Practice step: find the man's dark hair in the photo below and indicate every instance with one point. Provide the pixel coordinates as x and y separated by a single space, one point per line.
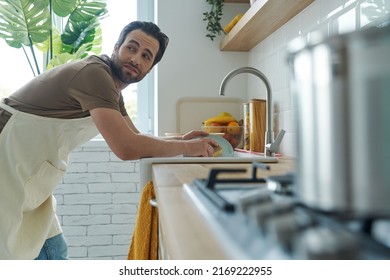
152 30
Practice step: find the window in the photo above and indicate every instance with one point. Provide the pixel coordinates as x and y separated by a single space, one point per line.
138 97
120 13
15 71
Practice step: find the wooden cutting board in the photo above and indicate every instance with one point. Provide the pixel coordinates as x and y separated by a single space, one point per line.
192 111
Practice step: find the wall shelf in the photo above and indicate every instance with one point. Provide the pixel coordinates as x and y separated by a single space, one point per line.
236 1
262 19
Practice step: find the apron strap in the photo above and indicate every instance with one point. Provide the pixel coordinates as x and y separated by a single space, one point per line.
7 108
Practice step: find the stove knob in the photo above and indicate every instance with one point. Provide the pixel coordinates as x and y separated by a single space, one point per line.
320 243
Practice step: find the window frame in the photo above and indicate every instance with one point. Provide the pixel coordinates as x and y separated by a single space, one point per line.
146 88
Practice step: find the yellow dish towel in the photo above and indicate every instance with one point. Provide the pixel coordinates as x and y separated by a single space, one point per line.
144 242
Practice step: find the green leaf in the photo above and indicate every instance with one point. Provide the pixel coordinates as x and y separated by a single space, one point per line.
56 43
92 45
213 18
63 58
97 43
63 8
87 10
79 33
60 59
26 22
22 20
82 23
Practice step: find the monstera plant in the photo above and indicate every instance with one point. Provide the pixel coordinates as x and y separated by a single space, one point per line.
64 30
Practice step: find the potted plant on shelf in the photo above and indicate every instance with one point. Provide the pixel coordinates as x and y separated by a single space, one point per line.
34 24
213 18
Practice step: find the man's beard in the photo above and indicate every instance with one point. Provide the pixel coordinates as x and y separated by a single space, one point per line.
120 73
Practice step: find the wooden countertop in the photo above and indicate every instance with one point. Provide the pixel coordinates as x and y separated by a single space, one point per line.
185 230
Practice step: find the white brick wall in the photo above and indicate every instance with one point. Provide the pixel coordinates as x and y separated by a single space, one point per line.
97 203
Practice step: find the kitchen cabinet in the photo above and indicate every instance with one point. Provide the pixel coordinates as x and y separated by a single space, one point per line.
185 233
262 19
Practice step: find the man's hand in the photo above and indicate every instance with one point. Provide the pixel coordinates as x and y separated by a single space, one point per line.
194 134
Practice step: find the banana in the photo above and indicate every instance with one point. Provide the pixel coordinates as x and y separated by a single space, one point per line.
223 118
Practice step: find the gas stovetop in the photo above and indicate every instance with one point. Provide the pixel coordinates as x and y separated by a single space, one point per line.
263 219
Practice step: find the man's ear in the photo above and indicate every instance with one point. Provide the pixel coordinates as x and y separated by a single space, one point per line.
115 48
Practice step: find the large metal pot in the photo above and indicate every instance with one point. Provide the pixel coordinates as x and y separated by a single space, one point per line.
341 89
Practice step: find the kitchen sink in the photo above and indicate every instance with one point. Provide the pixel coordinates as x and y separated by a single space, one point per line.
249 155
239 157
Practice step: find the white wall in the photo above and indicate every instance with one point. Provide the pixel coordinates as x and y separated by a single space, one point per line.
329 16
193 66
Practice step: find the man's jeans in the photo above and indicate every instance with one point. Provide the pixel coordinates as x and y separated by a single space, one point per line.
54 248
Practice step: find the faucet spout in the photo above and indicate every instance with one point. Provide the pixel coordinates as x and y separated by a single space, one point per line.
269 135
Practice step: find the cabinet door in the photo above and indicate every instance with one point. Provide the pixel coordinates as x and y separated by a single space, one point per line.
162 248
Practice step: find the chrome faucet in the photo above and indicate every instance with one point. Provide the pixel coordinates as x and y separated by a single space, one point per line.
271 145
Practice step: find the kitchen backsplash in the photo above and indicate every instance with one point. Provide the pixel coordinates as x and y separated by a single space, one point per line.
270 56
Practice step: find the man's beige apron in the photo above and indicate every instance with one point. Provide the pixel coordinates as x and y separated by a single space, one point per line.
33 159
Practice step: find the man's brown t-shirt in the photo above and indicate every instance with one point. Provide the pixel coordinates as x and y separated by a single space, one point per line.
68 91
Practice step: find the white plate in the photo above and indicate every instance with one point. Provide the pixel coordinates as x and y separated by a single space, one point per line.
227 149
173 134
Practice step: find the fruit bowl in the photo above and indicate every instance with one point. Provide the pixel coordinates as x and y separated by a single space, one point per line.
233 134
